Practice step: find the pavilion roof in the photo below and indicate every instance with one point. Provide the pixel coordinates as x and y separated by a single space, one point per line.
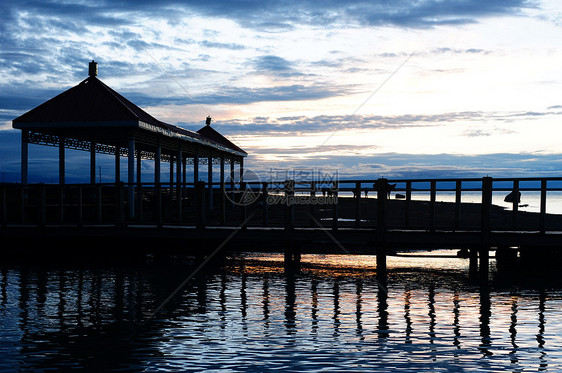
93 104
212 134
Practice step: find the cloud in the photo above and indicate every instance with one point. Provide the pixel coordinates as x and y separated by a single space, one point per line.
213 44
274 65
296 125
242 95
416 166
265 15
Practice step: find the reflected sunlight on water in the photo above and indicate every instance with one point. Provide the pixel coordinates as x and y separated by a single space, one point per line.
252 316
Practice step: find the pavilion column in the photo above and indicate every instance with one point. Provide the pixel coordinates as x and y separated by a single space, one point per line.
157 170
184 175
139 168
241 169
232 179
196 167
157 185
117 164
210 180
61 161
139 186
222 198
92 162
131 178
171 173
195 176
178 172
24 156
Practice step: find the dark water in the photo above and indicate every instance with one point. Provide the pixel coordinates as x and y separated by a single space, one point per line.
252 316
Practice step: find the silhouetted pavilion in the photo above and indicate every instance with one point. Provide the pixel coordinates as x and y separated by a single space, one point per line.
93 117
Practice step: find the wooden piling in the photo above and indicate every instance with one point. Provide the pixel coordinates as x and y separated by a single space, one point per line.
382 187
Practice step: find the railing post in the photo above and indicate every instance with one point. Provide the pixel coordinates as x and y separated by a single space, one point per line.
335 210
515 203
458 191
543 206
222 202
289 187
313 202
357 204
408 200
486 204
243 203
265 195
487 187
433 196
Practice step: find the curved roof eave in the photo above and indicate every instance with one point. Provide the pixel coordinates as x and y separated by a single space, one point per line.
195 138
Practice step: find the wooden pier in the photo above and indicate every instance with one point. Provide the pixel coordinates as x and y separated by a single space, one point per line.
346 216
231 211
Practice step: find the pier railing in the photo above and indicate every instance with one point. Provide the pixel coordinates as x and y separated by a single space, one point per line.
410 204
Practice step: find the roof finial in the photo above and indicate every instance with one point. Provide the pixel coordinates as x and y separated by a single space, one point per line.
208 121
93 69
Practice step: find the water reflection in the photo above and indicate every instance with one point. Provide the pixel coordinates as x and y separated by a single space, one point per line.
358 308
96 318
485 314
407 318
382 310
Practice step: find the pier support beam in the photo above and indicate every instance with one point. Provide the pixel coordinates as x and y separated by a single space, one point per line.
484 263
292 259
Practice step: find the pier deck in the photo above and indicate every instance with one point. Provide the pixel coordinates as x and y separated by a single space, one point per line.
91 220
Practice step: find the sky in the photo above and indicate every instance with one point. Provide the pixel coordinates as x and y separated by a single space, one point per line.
364 88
